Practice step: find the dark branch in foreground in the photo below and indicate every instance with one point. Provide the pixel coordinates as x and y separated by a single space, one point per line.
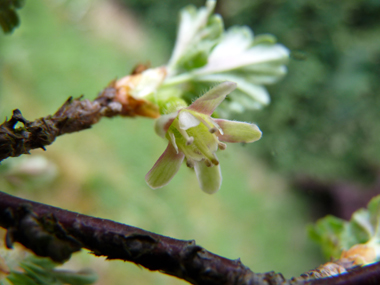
57 233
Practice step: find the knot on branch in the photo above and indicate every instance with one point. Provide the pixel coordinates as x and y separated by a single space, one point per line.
73 116
43 235
132 247
17 141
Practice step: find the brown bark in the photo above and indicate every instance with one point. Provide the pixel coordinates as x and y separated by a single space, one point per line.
73 116
57 233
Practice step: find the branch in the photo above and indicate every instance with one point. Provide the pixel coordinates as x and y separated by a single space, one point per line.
57 233
73 116
366 275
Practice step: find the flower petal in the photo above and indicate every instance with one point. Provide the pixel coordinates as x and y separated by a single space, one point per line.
192 22
187 120
207 103
256 92
165 168
238 131
228 55
163 123
209 178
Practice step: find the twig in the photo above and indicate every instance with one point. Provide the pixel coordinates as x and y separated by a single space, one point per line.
73 116
366 275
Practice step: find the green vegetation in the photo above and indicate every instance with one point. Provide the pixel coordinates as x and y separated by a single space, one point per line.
37 270
360 235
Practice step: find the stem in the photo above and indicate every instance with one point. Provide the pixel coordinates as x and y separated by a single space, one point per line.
182 78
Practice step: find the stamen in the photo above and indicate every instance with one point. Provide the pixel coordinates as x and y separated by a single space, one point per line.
217 127
190 163
208 163
215 161
213 130
222 146
207 150
190 140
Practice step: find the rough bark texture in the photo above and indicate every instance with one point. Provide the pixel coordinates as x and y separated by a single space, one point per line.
73 116
57 233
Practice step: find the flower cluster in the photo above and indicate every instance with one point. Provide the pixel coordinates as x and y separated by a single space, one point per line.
204 54
193 134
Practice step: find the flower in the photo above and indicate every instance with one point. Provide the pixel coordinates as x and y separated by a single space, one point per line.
193 134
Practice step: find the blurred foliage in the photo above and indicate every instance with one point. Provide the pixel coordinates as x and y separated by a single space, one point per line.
41 271
323 121
9 18
19 266
36 270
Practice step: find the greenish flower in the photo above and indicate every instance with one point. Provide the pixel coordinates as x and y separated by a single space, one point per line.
193 134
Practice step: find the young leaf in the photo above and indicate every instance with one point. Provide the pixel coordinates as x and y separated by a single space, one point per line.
357 239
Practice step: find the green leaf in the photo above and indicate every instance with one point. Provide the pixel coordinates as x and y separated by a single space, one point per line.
327 233
9 19
335 235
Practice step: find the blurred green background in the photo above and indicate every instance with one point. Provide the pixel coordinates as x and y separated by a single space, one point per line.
322 124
